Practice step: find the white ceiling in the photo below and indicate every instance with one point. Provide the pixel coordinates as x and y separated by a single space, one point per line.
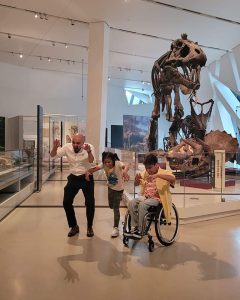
141 31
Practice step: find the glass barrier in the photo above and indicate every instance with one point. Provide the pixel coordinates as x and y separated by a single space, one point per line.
16 173
215 181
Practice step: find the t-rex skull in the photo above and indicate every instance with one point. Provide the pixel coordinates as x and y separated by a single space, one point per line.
187 53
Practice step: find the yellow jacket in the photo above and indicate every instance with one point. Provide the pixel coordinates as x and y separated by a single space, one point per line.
163 191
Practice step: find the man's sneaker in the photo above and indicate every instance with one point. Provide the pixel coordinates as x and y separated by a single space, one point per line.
90 232
74 230
115 232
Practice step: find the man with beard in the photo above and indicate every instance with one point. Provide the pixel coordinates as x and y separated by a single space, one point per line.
80 156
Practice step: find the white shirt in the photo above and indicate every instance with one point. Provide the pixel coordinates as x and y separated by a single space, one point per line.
78 162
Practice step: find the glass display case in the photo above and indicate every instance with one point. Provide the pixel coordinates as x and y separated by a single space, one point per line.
16 174
63 127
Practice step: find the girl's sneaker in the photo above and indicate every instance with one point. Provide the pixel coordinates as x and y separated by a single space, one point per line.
115 232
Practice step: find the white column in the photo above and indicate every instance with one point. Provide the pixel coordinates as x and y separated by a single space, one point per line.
97 85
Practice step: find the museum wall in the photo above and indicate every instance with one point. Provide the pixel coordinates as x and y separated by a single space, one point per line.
118 106
22 89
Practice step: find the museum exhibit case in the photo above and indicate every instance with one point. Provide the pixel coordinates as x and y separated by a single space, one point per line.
16 178
30 137
61 127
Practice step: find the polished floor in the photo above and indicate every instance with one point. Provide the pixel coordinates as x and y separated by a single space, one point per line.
39 262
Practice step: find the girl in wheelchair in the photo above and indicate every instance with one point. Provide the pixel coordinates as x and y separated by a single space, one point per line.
154 183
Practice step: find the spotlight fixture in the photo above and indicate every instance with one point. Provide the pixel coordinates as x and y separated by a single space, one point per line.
53 44
72 22
49 59
109 78
21 55
9 36
40 57
36 15
66 46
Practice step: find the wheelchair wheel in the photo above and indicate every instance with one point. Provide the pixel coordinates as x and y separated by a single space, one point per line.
150 244
125 240
126 227
127 222
166 232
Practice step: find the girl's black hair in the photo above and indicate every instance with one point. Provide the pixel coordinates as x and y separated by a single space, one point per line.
110 155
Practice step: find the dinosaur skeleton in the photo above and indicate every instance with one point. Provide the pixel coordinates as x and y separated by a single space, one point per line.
194 156
193 126
178 69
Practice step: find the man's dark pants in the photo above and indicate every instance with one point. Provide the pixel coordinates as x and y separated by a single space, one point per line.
75 183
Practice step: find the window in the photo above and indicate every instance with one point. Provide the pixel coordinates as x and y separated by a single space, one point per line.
138 96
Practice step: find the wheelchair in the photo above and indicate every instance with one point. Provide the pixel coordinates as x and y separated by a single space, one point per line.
165 232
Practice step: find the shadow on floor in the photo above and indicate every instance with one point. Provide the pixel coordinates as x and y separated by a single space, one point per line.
111 262
180 253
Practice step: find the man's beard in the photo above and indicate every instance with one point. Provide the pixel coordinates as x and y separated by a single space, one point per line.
76 150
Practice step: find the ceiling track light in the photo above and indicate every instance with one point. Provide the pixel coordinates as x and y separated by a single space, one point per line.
56 43
43 16
72 22
49 59
36 15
